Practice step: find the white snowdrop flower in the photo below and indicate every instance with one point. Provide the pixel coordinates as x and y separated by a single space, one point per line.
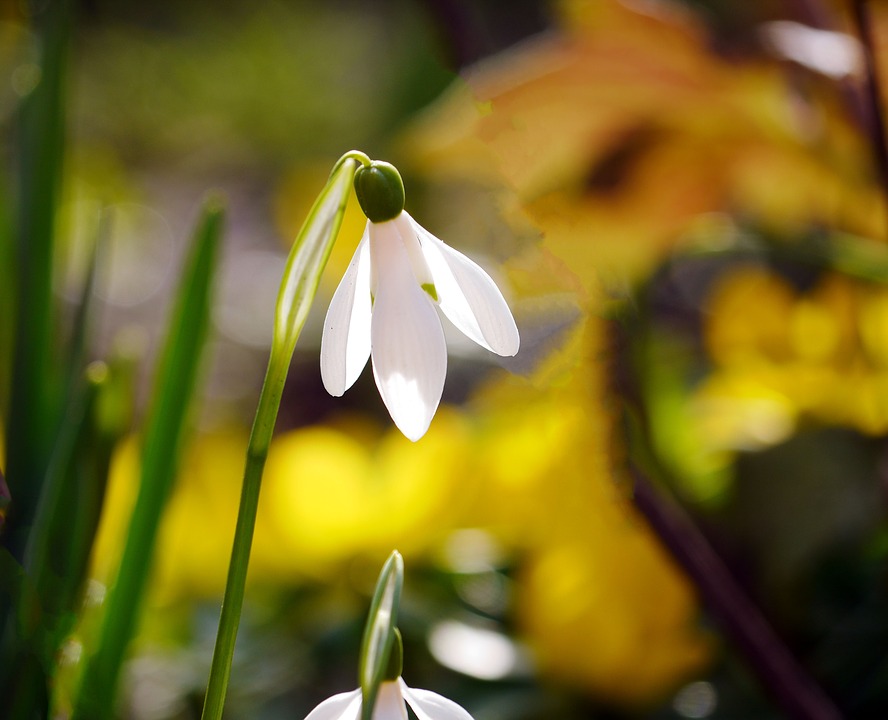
384 307
390 705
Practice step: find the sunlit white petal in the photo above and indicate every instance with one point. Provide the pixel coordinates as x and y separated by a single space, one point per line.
407 341
418 262
431 706
390 703
467 295
345 706
345 343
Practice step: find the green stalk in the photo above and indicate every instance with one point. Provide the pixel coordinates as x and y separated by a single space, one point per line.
302 275
233 601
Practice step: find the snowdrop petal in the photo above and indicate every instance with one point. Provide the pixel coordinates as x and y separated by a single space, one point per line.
390 703
467 295
345 706
431 706
407 340
345 343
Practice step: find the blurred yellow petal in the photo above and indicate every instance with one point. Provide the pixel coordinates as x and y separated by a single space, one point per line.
612 621
874 326
123 484
198 525
749 315
600 602
328 497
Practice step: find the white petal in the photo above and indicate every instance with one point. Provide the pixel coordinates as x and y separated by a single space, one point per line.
418 263
431 706
345 343
468 296
345 706
390 703
409 354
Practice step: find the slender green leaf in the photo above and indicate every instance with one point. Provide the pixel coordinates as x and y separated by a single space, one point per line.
50 542
54 561
35 382
174 386
33 409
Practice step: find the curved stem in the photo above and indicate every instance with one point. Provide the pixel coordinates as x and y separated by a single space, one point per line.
361 157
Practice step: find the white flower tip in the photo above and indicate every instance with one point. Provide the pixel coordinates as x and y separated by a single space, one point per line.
335 391
510 342
333 373
411 412
415 433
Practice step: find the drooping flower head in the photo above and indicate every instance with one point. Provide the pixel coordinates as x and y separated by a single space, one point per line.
384 307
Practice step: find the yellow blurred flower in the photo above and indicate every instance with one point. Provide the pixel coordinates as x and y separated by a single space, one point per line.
329 496
120 495
615 622
195 536
600 602
818 354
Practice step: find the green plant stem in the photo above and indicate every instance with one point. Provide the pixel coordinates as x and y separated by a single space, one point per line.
233 600
298 287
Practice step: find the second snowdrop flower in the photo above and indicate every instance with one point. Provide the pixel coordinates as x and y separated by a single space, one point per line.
390 705
384 307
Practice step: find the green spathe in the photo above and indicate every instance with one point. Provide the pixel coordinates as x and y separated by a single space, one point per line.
380 634
380 191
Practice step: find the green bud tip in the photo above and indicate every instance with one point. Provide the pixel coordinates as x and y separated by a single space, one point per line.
380 191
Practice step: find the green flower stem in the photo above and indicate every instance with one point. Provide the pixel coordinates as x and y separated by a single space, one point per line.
361 157
300 283
232 604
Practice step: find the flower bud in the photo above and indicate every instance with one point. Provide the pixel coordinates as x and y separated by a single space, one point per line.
380 191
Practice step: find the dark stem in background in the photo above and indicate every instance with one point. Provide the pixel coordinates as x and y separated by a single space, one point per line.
470 30
744 626
817 15
786 681
876 115
864 103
